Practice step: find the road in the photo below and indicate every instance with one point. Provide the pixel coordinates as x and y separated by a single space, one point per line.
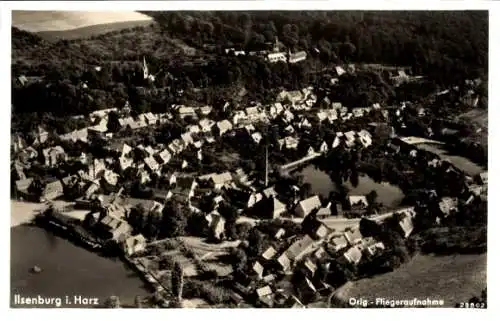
334 223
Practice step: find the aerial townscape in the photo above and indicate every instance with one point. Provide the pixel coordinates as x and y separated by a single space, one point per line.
252 159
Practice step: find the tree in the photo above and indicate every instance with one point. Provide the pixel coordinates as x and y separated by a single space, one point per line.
372 197
305 190
174 221
238 259
113 123
178 281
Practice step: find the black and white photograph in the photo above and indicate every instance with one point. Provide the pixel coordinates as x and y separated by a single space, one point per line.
272 159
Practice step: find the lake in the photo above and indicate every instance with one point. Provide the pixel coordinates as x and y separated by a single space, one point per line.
66 270
462 163
389 195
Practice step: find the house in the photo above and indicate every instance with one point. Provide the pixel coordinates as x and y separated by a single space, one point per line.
184 111
151 119
353 255
151 164
119 148
305 207
256 137
276 56
358 201
305 123
176 146
205 110
296 57
269 254
113 227
323 148
300 248
350 138
288 116
310 266
365 138
216 224
223 127
164 156
339 242
258 269
270 207
447 205
276 109
289 142
353 236
220 180
279 234
76 135
483 178
22 187
340 71
324 212
186 138
406 225
40 136
52 190
54 156
284 262
320 231
264 296
206 125
134 244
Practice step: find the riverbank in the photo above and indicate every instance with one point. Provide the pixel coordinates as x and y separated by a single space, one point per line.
24 212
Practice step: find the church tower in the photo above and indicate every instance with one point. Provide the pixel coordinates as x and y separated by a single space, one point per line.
145 68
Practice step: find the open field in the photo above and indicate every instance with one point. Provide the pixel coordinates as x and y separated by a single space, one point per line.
24 212
462 163
65 21
453 279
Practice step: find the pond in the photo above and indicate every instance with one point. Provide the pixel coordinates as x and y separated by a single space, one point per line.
389 195
66 270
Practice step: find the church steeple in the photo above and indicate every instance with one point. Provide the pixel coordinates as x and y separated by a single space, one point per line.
145 68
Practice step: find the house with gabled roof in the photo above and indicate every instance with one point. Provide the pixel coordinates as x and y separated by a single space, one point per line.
338 242
134 244
305 207
300 248
223 127
151 164
52 190
357 201
353 236
54 156
354 255
164 156
206 125
184 111
269 253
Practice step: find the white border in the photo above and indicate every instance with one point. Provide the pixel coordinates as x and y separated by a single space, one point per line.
255 314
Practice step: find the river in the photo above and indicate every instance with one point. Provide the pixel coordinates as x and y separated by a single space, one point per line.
66 270
389 195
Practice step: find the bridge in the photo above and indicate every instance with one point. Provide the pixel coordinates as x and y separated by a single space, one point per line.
413 140
286 167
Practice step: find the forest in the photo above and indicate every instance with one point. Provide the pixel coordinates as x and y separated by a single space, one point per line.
185 51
